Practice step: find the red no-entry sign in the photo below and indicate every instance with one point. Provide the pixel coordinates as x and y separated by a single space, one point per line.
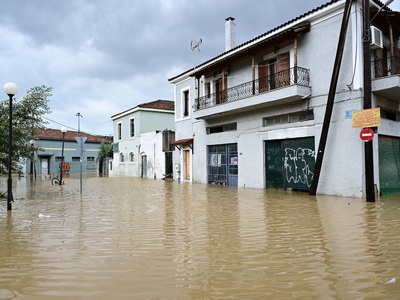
367 134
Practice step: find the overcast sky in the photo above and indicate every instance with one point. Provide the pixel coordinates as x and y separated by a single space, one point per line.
102 57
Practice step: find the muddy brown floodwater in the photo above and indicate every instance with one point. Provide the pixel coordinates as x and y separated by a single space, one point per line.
132 238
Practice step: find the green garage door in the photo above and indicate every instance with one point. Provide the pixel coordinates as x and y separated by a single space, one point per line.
389 165
290 163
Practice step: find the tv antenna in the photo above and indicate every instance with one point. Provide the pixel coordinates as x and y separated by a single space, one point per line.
195 46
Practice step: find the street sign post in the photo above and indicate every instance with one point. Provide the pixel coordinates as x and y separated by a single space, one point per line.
81 140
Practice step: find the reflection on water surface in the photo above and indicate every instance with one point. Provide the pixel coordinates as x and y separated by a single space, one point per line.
132 238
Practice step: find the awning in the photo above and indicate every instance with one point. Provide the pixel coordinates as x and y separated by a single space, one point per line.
183 142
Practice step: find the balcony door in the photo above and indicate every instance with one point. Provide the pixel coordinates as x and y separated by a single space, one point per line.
220 87
274 72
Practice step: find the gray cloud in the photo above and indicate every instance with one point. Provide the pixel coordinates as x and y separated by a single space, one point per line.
105 56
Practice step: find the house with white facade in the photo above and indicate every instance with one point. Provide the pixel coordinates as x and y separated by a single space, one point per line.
253 116
139 133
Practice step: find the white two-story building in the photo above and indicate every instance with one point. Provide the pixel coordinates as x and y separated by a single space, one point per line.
253 115
139 149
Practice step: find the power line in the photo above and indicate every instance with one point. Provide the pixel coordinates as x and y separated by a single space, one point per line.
74 129
59 123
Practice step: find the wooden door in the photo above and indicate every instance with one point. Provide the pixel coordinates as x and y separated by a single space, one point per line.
283 70
263 76
220 90
187 164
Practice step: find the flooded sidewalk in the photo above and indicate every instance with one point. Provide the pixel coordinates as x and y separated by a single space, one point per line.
133 238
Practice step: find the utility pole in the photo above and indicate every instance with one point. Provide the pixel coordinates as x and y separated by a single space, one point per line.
79 124
368 146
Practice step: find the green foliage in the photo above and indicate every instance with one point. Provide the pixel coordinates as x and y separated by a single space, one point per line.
106 150
27 122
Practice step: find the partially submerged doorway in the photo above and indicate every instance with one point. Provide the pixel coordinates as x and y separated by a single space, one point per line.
289 163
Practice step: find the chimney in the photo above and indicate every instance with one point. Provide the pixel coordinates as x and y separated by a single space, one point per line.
229 33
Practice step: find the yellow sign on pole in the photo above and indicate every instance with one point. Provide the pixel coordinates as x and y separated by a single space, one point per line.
366 118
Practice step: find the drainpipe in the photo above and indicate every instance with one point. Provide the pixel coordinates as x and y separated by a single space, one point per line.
295 60
253 73
393 61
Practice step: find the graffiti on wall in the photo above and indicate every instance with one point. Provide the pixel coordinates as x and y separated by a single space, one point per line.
91 165
297 167
64 167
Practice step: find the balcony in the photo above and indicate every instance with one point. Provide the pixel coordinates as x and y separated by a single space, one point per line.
386 82
283 87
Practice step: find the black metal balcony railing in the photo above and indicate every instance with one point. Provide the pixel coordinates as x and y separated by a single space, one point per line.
386 67
296 75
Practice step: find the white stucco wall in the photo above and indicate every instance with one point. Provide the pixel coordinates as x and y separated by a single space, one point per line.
343 165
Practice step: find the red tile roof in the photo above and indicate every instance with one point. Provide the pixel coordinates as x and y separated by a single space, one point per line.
157 104
56 134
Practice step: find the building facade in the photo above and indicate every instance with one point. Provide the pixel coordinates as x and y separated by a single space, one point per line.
253 115
56 152
138 140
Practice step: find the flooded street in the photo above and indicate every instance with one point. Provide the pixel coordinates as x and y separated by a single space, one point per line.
132 238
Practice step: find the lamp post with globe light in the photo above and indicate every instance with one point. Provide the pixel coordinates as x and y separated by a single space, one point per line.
10 89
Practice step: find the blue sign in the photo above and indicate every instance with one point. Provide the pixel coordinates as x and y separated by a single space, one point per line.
348 113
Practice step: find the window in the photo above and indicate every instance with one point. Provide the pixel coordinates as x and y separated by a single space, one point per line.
132 127
90 158
131 157
222 128
119 131
76 158
208 89
289 118
121 157
185 103
390 115
58 158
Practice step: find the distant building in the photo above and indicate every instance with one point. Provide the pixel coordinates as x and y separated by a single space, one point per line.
252 115
138 140
48 158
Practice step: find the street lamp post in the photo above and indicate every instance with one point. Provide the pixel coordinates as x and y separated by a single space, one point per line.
32 142
63 130
10 89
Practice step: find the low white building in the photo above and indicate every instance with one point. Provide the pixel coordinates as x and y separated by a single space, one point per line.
138 140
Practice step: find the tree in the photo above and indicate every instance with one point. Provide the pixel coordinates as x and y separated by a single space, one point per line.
106 150
27 122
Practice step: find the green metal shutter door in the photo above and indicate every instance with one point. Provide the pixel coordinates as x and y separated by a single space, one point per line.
299 163
290 163
274 165
389 165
